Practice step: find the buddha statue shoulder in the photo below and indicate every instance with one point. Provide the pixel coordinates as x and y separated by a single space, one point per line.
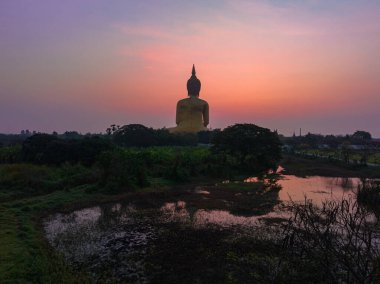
192 113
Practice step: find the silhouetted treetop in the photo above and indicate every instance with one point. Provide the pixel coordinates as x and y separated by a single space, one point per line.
254 147
362 135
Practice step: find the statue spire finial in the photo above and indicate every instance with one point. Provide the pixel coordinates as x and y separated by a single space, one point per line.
193 84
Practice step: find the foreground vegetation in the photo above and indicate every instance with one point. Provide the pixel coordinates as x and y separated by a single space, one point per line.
49 174
339 239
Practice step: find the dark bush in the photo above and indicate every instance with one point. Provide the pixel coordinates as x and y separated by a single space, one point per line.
122 170
10 154
368 195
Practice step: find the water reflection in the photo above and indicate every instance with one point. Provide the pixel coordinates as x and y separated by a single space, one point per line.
316 188
175 212
115 238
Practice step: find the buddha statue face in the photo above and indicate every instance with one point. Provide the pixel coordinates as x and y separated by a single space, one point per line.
193 85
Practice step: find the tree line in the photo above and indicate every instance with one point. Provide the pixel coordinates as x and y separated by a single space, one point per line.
311 140
130 156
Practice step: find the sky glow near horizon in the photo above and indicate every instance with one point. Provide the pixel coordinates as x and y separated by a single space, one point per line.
85 64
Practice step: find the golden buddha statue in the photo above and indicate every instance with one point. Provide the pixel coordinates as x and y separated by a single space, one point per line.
192 113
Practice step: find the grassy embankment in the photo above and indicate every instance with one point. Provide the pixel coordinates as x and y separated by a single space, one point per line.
25 257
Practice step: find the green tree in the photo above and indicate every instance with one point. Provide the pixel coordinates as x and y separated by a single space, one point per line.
135 135
248 147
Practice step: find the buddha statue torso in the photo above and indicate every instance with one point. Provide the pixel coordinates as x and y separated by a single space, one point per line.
192 113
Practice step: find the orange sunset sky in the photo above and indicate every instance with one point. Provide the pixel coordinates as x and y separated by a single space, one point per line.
83 65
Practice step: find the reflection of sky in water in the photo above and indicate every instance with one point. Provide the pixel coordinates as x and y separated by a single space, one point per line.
316 188
201 218
175 212
60 223
222 218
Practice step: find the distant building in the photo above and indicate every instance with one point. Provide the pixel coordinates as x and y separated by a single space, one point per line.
323 146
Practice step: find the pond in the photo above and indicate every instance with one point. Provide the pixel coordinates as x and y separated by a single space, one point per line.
317 188
157 237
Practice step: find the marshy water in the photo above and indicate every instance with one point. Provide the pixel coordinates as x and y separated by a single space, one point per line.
119 241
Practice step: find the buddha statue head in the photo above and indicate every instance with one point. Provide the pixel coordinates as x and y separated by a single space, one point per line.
193 85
